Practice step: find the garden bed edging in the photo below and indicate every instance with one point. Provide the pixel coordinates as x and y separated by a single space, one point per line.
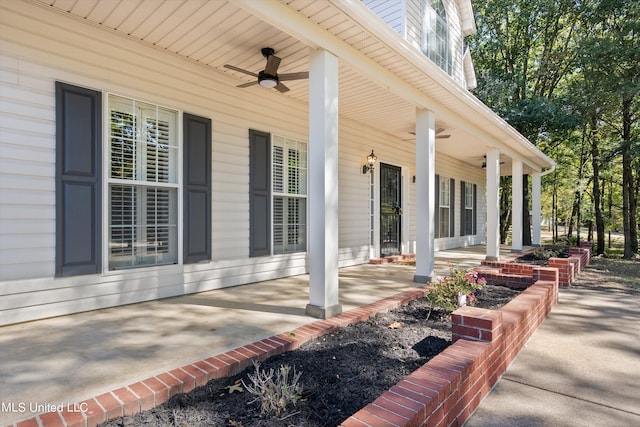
445 391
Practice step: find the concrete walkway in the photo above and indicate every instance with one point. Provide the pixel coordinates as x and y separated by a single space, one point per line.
581 368
71 358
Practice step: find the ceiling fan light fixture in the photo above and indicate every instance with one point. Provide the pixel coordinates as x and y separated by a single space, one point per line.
267 80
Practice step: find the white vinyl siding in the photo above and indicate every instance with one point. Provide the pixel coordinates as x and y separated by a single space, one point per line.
33 38
449 167
409 19
143 184
391 12
289 187
372 209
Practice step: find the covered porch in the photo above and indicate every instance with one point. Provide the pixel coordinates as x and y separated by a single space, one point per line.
75 357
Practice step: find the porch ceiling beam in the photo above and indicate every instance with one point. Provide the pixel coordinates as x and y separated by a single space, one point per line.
296 25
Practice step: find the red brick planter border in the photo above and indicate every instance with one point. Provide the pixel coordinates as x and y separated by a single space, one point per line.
447 389
444 391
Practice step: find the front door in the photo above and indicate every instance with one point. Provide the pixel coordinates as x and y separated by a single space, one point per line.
390 210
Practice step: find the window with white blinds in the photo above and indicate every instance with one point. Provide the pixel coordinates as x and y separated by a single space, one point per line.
143 184
468 211
445 197
289 187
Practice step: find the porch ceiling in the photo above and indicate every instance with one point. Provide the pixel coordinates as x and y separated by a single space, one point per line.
218 32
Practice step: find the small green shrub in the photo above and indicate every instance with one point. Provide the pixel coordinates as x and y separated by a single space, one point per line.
275 390
544 254
444 294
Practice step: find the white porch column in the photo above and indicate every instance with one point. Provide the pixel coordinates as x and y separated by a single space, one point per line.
493 204
536 211
425 194
516 206
323 185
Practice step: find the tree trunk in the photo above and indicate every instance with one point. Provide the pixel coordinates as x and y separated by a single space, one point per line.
574 212
628 211
633 209
610 209
626 204
597 202
554 208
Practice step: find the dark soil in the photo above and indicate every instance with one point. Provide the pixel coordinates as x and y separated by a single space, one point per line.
341 372
531 258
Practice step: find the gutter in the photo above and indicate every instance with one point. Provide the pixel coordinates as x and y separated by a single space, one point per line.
548 171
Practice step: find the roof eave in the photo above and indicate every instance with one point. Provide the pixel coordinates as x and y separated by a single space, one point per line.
487 125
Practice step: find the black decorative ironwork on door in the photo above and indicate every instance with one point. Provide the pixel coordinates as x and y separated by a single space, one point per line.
390 210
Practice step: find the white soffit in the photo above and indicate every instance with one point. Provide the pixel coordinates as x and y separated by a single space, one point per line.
382 77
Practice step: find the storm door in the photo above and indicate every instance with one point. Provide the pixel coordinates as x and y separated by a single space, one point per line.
390 210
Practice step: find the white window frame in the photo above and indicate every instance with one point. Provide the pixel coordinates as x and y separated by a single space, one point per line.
436 45
282 192
444 191
108 181
468 206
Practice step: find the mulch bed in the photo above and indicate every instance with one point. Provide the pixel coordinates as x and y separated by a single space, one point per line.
341 372
531 258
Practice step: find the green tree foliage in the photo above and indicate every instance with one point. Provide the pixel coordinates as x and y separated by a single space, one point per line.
565 74
523 50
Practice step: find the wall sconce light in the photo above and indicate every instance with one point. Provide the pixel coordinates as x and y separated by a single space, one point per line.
371 161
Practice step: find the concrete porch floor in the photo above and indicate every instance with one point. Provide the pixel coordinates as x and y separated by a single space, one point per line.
71 358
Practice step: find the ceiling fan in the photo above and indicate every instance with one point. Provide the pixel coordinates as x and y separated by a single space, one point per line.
484 162
438 136
269 77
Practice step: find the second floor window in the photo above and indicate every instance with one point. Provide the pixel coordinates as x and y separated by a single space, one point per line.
435 43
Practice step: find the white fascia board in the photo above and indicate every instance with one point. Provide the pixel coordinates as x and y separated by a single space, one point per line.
469 69
296 25
467 20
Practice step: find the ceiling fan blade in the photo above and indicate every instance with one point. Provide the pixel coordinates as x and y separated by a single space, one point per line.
273 62
234 68
437 136
243 85
294 76
282 88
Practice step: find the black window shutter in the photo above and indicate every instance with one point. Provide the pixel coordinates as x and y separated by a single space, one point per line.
197 188
463 209
452 208
259 193
78 180
437 213
475 212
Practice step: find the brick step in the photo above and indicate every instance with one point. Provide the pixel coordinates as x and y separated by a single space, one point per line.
392 258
